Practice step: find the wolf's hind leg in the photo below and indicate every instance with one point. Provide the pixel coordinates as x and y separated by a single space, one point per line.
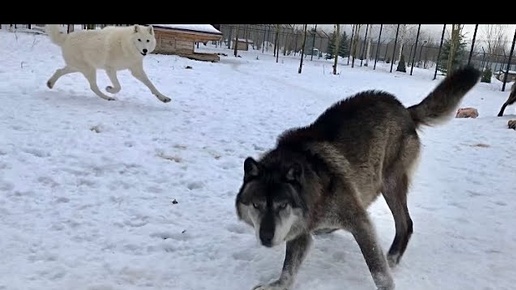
394 189
91 75
59 73
395 193
111 73
510 101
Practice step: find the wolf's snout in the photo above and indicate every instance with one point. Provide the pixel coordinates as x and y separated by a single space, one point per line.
144 50
266 237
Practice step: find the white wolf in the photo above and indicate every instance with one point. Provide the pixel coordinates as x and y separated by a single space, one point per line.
112 49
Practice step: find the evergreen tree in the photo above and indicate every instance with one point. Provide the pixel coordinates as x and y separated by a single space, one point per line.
486 76
343 46
460 54
331 47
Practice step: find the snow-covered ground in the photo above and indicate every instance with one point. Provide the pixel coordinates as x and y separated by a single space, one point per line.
136 194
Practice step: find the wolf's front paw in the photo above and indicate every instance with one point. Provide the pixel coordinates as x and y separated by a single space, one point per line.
164 99
272 286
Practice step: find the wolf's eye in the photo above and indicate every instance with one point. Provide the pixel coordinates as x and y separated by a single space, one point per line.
255 205
139 40
282 206
148 40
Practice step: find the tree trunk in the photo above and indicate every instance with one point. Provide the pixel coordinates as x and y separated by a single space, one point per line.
378 46
455 39
69 28
368 52
363 54
355 43
313 43
276 42
235 48
246 35
352 41
229 37
403 31
264 42
302 49
286 43
337 45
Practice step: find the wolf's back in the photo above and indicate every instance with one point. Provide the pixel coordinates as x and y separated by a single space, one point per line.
439 106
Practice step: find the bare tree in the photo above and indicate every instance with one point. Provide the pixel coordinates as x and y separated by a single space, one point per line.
354 47
395 43
364 45
302 49
402 39
230 36
351 40
368 48
276 45
337 44
276 42
412 38
246 35
495 39
314 32
368 51
286 41
235 46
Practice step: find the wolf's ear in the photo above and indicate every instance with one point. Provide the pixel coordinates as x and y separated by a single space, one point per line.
151 30
294 172
136 28
251 168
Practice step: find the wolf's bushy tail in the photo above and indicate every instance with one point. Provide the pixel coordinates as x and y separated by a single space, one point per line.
55 34
439 106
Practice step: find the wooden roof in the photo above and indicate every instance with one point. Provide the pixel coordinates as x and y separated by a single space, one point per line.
194 32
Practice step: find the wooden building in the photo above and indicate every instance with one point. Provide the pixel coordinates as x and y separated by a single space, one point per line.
181 40
511 75
242 44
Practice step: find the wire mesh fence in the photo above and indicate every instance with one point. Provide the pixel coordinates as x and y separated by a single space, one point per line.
374 43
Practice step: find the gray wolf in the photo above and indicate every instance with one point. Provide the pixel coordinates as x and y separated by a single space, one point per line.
510 100
322 177
112 49
466 113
